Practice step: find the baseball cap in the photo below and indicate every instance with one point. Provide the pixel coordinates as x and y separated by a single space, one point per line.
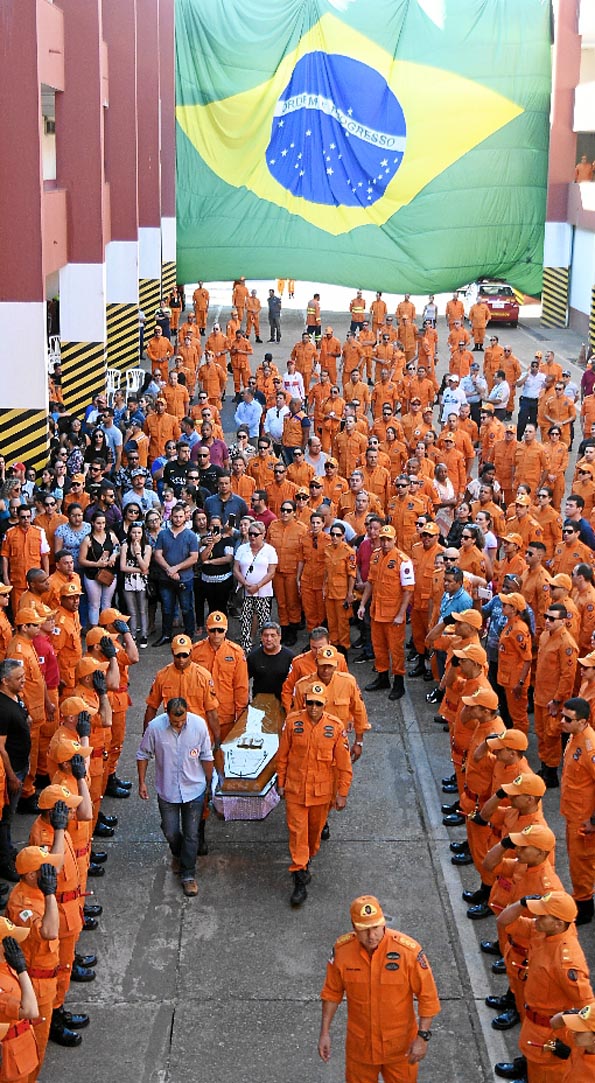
530 784
557 903
95 635
431 528
88 665
453 376
510 428
580 1021
475 365
387 532
538 835
474 653
31 858
108 616
69 589
561 580
538 354
65 748
52 794
523 500
18 932
482 697
80 478
328 657
416 398
470 616
331 461
181 645
74 705
511 739
44 610
28 615
216 620
366 912
515 600
316 694
487 408
586 468
514 538
328 331
5 589
588 661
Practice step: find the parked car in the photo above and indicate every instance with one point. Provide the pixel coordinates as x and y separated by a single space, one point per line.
498 296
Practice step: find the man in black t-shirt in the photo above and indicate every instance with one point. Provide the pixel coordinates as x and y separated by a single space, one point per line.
175 472
15 746
269 664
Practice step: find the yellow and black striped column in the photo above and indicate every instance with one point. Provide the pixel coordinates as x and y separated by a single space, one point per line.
168 278
554 297
592 320
24 437
122 336
83 373
149 296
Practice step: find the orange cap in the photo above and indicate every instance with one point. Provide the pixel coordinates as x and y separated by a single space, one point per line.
482 697
523 500
561 580
181 645
31 858
52 794
474 653
108 616
95 635
515 600
74 705
316 694
557 903
88 665
69 589
65 748
530 784
366 912
216 620
588 661
470 616
538 835
328 657
510 739
580 1021
18 932
28 615
514 538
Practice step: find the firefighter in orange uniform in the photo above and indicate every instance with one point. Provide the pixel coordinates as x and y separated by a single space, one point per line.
160 427
200 300
390 585
70 754
311 570
554 682
239 297
455 310
92 687
18 1006
226 662
338 586
115 624
514 659
367 341
577 800
381 972
253 307
378 311
240 350
357 309
285 534
6 631
304 665
159 350
479 317
313 774
580 1028
305 355
330 352
343 697
68 645
213 378
23 548
35 693
423 558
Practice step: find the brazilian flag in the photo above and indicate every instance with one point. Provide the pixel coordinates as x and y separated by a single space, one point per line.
388 144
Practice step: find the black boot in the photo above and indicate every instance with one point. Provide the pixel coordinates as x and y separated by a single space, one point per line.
475 897
109 821
325 834
60 1033
381 681
203 848
398 689
299 893
419 669
585 911
549 776
499 1004
114 790
290 635
512 1069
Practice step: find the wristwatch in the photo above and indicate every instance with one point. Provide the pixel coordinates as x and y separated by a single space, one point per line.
359 743
425 1034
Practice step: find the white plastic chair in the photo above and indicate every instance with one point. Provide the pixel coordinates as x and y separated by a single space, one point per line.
113 378
54 352
134 379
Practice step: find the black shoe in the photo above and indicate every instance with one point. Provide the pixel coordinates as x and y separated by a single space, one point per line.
92 910
585 912
164 639
448 778
500 1004
479 911
123 782
102 831
307 874
90 925
85 961
435 696
459 848
549 776
61 1034
258 340
459 859
419 670
359 644
79 973
364 657
109 821
99 857
499 967
8 872
113 790
76 1020
27 806
398 689
299 893
203 847
440 720
381 681
454 819
506 1020
445 809
512 1069
41 781
473 898
450 787
95 870
490 947
428 675
325 834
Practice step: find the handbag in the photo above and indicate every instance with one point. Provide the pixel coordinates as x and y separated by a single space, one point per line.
105 577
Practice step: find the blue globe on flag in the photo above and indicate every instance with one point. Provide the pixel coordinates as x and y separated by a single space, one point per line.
338 132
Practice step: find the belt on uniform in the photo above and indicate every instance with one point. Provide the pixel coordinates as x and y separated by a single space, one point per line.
84 851
475 796
17 1028
99 754
521 949
68 896
535 1017
42 972
506 884
457 748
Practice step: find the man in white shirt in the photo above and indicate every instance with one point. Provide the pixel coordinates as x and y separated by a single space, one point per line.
453 397
531 383
274 418
293 382
500 395
315 456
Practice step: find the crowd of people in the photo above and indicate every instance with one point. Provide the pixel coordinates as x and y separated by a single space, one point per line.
389 507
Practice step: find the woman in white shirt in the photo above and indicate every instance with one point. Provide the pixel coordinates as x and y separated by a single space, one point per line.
483 520
254 568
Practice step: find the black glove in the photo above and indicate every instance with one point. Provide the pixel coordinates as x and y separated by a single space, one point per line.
506 844
121 627
59 816
47 880
108 649
501 793
99 682
523 901
83 726
455 662
13 954
560 1049
477 819
78 766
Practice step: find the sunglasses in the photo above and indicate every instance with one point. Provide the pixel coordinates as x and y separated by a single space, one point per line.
336 534
286 511
182 654
402 484
567 718
467 537
314 703
568 531
254 534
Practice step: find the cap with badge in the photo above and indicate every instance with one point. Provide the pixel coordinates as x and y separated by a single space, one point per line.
366 912
538 835
482 697
66 747
108 616
68 590
515 600
73 705
473 653
470 616
588 661
5 588
487 408
52 794
95 635
514 539
316 694
582 1021
529 784
561 580
216 620
558 904
510 427
31 858
17 932
431 528
523 500
181 645
514 739
28 615
327 657
387 532
87 666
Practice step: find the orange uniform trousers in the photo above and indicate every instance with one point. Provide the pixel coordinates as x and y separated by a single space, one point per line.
45 991
338 622
388 644
517 709
420 628
252 321
240 370
581 861
38 720
305 824
398 1071
515 958
46 732
289 603
547 729
313 604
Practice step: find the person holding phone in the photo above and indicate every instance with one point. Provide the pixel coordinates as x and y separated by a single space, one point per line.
215 558
225 502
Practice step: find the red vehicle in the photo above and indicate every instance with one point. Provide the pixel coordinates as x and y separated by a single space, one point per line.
500 299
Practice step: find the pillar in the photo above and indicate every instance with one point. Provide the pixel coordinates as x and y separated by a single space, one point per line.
149 172
80 169
121 146
168 145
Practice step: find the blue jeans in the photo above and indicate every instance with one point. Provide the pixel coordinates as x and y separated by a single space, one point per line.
180 822
169 596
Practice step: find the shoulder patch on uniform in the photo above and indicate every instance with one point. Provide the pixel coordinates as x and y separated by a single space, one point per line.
26 915
405 941
344 939
423 962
